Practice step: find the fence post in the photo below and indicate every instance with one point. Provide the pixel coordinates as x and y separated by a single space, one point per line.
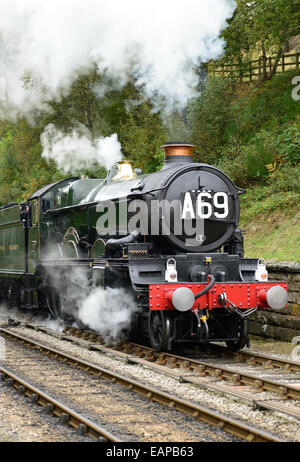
297 60
283 62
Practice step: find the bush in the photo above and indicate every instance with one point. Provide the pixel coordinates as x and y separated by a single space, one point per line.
264 106
260 153
234 164
286 179
288 144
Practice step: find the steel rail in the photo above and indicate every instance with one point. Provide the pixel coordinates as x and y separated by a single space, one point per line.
147 355
242 356
258 358
225 423
66 414
201 368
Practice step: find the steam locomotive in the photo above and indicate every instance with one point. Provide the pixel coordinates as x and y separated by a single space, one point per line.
170 239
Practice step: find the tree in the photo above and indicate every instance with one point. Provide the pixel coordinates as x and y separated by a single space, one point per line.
22 169
261 27
141 135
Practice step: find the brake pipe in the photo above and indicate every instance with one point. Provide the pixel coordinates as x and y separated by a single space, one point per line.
212 281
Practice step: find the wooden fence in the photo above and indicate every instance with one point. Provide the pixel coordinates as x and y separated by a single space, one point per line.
256 70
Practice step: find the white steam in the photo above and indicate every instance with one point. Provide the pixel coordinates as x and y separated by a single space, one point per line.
77 151
33 318
108 311
52 42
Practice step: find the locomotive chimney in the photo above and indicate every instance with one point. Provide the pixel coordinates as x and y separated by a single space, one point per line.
178 152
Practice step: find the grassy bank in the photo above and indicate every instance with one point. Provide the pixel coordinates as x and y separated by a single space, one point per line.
271 224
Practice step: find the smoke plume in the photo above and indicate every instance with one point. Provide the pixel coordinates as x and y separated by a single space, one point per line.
78 151
46 45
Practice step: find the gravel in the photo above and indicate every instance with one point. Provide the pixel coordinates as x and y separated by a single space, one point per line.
22 421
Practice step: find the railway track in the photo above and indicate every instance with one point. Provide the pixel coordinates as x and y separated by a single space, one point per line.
249 357
243 385
65 414
199 413
204 374
242 356
208 369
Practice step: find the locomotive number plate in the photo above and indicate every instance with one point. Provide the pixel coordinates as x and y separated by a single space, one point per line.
205 204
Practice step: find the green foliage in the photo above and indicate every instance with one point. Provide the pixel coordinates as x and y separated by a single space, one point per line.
8 170
260 27
261 199
285 179
141 135
210 117
270 218
278 145
264 106
259 153
140 131
233 163
272 234
288 144
243 128
22 170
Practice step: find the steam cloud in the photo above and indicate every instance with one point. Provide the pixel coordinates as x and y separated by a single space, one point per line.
108 311
53 42
78 151
46 45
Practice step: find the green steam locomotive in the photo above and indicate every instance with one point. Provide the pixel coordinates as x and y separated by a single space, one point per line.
170 239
